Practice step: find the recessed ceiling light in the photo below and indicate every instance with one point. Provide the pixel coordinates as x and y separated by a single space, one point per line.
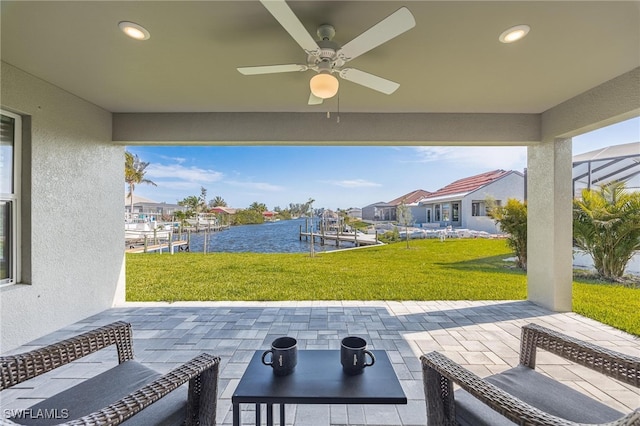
514 33
134 30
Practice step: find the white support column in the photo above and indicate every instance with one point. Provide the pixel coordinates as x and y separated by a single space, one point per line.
549 228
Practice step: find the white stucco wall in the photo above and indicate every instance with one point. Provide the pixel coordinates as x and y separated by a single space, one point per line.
77 246
550 225
418 214
510 186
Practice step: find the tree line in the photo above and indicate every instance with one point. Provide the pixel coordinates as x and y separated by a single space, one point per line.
243 216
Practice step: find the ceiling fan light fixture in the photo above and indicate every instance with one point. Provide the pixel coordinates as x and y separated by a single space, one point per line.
324 85
134 30
513 34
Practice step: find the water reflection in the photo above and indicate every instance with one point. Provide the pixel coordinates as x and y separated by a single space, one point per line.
270 237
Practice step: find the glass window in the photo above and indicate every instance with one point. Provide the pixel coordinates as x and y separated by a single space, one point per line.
476 208
446 212
496 203
6 246
455 212
7 148
10 137
437 212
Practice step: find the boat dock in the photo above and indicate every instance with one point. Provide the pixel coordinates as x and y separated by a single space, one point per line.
155 241
181 245
332 228
202 227
356 238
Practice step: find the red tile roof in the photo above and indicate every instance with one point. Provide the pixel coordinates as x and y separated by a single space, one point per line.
220 209
411 197
470 184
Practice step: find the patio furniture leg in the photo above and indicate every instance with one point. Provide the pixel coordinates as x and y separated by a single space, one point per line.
236 414
281 414
269 414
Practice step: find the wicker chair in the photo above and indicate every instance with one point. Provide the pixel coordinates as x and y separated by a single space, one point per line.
521 395
128 393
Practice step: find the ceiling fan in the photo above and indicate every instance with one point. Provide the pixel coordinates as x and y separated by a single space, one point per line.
327 57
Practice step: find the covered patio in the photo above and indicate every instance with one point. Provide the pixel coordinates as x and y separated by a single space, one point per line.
80 100
481 336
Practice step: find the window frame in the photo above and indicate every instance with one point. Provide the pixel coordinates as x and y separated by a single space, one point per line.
455 212
446 212
14 197
477 208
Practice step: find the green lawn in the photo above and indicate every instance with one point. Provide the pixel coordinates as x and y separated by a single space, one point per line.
428 270
616 305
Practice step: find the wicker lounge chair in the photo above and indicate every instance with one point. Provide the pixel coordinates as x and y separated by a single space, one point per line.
128 393
521 395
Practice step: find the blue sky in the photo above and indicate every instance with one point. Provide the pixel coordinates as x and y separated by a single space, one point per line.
335 177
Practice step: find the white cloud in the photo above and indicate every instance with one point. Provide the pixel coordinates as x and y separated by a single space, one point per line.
353 183
179 172
490 157
178 160
175 185
261 186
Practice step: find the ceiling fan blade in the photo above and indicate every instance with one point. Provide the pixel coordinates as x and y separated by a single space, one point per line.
285 16
314 100
272 69
369 80
392 26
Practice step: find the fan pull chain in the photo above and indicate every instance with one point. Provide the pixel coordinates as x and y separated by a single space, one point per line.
337 112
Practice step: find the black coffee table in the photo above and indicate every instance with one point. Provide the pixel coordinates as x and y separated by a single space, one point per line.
317 379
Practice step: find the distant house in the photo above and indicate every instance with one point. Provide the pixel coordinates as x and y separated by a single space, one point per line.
388 211
223 210
355 213
143 208
269 215
377 211
412 201
462 204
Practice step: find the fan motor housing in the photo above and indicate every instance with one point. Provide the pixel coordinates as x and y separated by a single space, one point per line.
328 51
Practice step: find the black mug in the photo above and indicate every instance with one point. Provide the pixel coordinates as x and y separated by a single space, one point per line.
353 355
284 355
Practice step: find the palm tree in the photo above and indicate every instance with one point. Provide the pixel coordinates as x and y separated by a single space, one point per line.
259 207
191 203
134 171
606 224
218 201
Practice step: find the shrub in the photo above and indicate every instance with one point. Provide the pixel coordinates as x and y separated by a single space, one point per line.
606 224
512 219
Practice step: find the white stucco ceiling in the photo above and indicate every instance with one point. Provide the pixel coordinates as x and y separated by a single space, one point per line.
451 61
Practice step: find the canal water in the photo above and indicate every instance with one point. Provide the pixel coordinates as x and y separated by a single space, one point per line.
269 237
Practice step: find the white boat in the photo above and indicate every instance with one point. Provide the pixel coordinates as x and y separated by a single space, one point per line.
203 219
138 230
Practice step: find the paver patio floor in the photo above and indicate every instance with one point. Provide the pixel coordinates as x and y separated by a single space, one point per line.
482 336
